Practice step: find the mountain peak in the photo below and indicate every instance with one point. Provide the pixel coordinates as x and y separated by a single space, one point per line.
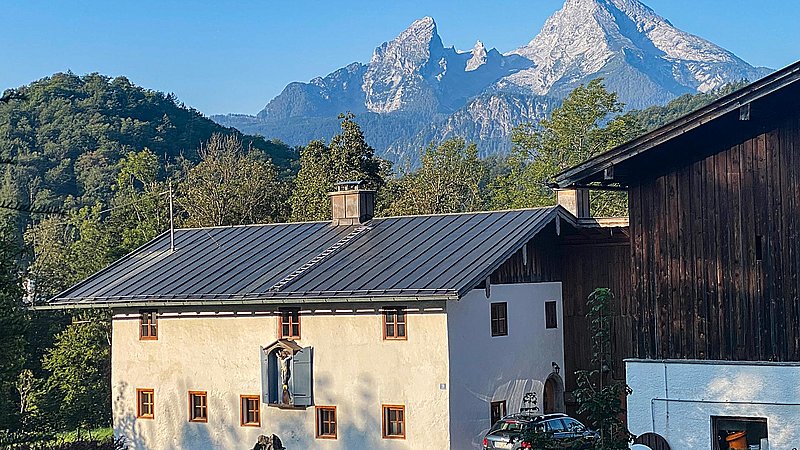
421 29
395 77
588 37
478 58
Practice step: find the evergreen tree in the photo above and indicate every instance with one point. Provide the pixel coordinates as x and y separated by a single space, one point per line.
12 329
347 158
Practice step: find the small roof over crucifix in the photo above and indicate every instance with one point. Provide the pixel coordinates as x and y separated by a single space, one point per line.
286 344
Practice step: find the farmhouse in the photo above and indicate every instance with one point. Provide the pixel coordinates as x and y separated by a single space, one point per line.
710 326
359 332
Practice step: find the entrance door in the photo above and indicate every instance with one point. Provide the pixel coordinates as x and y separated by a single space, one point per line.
554 394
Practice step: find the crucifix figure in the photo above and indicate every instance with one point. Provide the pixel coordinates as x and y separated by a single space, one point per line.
285 357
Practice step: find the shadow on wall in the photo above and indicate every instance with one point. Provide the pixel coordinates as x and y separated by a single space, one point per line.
359 429
125 424
179 434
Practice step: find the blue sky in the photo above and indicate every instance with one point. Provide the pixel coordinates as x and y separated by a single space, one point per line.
226 56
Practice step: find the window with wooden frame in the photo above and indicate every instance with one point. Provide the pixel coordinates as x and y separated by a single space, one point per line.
497 411
198 406
250 410
394 324
394 422
145 403
148 325
326 422
289 323
499 319
550 315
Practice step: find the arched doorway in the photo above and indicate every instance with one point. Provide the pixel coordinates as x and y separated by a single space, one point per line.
554 394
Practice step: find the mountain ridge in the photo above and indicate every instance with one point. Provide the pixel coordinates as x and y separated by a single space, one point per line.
414 89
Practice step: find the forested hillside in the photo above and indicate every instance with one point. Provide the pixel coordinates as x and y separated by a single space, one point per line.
67 134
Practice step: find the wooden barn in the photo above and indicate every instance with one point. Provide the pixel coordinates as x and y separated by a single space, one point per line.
709 326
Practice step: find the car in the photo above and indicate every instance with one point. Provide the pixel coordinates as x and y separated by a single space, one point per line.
508 432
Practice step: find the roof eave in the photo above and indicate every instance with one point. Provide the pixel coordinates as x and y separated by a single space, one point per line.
558 212
90 304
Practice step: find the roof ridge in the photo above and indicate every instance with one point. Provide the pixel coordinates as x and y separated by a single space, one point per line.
467 213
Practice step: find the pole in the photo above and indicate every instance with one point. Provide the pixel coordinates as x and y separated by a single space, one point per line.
171 222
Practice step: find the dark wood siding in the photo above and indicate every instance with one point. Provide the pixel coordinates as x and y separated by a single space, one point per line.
539 262
702 285
586 267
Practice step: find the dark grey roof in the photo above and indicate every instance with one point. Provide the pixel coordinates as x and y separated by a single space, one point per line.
422 257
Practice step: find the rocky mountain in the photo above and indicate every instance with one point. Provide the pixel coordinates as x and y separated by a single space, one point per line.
415 90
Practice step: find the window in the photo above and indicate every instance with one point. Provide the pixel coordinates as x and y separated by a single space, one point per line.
500 319
550 315
326 422
394 323
555 426
148 325
737 432
251 410
145 403
198 406
573 425
394 422
289 327
497 411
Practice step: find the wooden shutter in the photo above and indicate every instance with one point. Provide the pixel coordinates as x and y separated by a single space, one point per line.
265 371
302 377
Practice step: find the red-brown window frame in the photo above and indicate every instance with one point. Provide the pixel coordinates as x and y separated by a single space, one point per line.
318 427
139 414
385 428
243 399
397 311
151 324
192 395
291 312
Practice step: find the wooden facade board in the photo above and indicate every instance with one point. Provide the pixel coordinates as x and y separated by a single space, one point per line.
702 284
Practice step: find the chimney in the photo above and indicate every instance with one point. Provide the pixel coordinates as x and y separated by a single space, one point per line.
574 200
352 205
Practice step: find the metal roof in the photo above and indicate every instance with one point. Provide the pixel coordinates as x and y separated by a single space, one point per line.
592 169
395 258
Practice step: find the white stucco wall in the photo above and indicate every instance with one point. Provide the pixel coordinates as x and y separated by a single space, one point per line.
354 370
703 388
484 369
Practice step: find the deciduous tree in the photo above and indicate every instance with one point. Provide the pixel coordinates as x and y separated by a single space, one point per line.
448 181
589 122
231 186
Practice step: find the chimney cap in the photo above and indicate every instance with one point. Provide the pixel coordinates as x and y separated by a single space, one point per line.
348 185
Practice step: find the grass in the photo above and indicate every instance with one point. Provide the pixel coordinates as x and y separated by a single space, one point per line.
98 434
